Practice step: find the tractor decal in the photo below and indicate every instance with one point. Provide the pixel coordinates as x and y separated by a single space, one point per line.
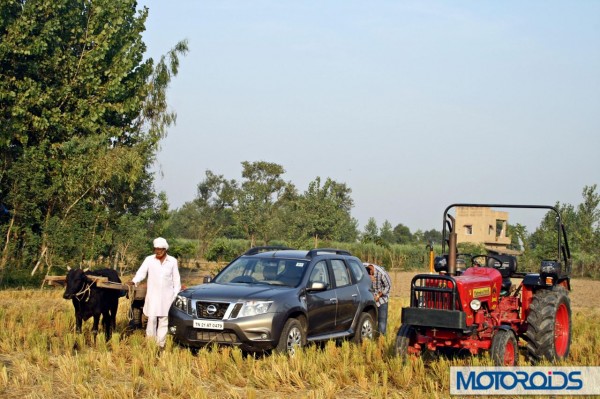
479 292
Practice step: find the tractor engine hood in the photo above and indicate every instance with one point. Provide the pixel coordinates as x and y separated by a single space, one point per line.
483 283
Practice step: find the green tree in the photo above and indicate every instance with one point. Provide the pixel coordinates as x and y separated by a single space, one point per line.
433 235
371 231
402 234
587 228
386 233
214 204
258 198
323 211
81 117
544 240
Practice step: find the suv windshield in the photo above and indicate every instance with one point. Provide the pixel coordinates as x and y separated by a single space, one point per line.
255 270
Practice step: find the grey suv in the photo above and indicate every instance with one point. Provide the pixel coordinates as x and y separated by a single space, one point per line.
273 298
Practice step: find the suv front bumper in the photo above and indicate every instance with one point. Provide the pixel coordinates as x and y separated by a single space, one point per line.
255 333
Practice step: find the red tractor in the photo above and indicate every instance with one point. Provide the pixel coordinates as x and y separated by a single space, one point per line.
481 308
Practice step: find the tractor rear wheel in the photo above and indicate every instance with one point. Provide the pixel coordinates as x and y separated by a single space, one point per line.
404 339
549 324
504 350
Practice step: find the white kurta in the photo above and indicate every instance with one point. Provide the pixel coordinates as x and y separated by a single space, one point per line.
164 283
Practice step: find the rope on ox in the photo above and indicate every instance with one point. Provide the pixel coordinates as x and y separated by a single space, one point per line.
130 299
87 289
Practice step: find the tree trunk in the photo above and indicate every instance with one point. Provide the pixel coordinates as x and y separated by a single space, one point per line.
4 259
42 256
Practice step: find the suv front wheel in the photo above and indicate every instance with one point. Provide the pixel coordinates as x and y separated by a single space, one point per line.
292 337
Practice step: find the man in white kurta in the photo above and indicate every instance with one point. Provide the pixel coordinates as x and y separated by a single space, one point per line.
164 283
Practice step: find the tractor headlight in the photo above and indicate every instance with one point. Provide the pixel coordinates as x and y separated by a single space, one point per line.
476 304
253 308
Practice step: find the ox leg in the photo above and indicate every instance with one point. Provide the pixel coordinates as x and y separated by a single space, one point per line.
78 315
78 323
113 314
95 325
107 322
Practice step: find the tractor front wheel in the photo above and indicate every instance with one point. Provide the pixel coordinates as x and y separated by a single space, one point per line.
404 339
549 324
504 350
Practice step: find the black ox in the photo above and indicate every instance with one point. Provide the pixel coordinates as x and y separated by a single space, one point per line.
92 301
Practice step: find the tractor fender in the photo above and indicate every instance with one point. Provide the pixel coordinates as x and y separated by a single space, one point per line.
535 280
504 327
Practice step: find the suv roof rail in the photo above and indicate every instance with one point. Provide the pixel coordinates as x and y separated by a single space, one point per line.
256 250
316 251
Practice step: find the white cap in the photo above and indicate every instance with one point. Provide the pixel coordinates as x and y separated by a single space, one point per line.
160 243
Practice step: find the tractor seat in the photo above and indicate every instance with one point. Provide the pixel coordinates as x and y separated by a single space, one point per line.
506 269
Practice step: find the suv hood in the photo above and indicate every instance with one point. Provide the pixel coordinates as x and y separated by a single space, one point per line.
235 292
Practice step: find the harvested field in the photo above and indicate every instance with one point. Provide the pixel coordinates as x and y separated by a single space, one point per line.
42 357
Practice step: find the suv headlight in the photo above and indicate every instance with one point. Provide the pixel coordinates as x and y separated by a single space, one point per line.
181 303
253 308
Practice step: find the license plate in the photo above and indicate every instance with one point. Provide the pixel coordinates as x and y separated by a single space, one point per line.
208 324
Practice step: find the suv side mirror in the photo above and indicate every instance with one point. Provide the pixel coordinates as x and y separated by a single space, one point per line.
317 286
207 279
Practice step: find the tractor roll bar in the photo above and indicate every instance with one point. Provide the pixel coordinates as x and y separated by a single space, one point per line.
448 226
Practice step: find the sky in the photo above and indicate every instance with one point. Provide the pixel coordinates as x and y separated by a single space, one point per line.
415 105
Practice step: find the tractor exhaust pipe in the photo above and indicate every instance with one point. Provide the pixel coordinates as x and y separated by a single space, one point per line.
452 248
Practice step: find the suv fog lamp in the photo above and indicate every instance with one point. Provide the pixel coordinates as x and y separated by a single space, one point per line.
549 280
476 304
253 308
173 329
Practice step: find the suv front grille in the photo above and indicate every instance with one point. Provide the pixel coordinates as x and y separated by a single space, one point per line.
211 310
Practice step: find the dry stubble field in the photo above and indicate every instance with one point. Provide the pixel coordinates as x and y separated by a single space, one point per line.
41 357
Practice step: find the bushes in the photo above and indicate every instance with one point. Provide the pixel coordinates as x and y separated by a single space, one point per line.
225 250
20 278
405 257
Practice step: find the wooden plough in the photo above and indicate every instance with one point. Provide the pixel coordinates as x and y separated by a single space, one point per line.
101 282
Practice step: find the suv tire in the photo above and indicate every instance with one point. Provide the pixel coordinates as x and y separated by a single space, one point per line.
292 337
365 330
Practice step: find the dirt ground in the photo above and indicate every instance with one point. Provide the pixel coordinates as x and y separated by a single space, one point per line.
582 291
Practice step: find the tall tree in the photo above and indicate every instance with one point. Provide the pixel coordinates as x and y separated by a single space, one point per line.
386 233
544 239
587 231
258 198
81 116
214 203
324 211
402 234
371 231
429 236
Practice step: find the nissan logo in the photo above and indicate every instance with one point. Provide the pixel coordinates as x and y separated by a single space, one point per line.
211 309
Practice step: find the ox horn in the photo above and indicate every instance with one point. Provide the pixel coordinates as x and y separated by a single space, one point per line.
68 268
87 269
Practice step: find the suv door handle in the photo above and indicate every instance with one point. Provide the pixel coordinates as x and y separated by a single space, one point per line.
354 295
